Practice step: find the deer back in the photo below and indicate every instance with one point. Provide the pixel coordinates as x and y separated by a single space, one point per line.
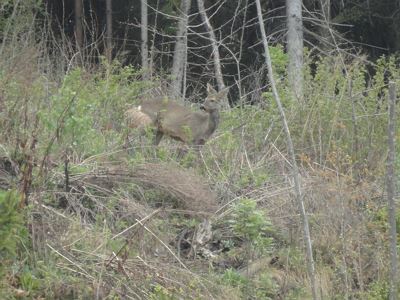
147 112
178 121
186 126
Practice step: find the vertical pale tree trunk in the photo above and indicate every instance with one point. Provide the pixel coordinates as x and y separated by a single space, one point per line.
144 34
179 59
239 81
326 9
109 30
78 9
213 40
153 42
325 24
396 28
295 170
8 26
391 192
295 46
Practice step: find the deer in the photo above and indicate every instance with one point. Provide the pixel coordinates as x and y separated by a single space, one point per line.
178 122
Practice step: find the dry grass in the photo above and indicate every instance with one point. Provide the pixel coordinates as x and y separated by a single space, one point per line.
85 252
191 191
133 261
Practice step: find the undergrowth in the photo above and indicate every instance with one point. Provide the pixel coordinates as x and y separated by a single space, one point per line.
88 208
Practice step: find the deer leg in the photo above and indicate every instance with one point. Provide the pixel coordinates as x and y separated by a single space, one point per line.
182 151
197 146
158 137
128 143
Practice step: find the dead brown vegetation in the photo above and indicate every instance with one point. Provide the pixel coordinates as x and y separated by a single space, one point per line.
191 191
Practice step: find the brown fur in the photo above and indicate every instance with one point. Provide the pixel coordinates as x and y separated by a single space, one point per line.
177 121
136 118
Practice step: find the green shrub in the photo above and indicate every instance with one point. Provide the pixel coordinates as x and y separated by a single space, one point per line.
266 287
252 225
161 293
13 234
13 231
87 112
377 291
380 220
233 278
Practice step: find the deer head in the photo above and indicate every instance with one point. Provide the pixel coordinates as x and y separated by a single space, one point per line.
179 122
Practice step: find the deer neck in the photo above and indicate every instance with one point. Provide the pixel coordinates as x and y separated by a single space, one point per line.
213 121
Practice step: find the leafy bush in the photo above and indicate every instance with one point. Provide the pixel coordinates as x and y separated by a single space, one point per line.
344 117
380 219
266 287
233 278
13 232
261 287
378 290
12 224
252 225
161 293
87 112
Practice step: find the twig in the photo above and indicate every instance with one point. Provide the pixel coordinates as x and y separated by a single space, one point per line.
60 123
148 217
165 245
137 222
67 259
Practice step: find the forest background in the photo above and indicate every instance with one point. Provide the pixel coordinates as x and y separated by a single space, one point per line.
89 208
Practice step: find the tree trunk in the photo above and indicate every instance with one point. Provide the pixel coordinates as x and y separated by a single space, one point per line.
326 9
8 26
109 30
179 59
78 23
295 170
210 31
144 34
326 37
295 46
391 192
396 28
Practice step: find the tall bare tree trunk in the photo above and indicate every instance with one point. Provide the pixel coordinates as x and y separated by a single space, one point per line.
295 46
8 26
326 11
295 169
78 9
109 30
153 42
210 31
179 60
144 34
396 27
326 35
391 192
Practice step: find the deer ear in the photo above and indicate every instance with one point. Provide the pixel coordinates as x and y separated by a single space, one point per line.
210 89
223 94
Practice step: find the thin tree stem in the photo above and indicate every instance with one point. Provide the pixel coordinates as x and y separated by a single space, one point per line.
391 191
295 169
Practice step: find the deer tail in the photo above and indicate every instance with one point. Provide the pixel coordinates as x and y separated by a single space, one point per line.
136 118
